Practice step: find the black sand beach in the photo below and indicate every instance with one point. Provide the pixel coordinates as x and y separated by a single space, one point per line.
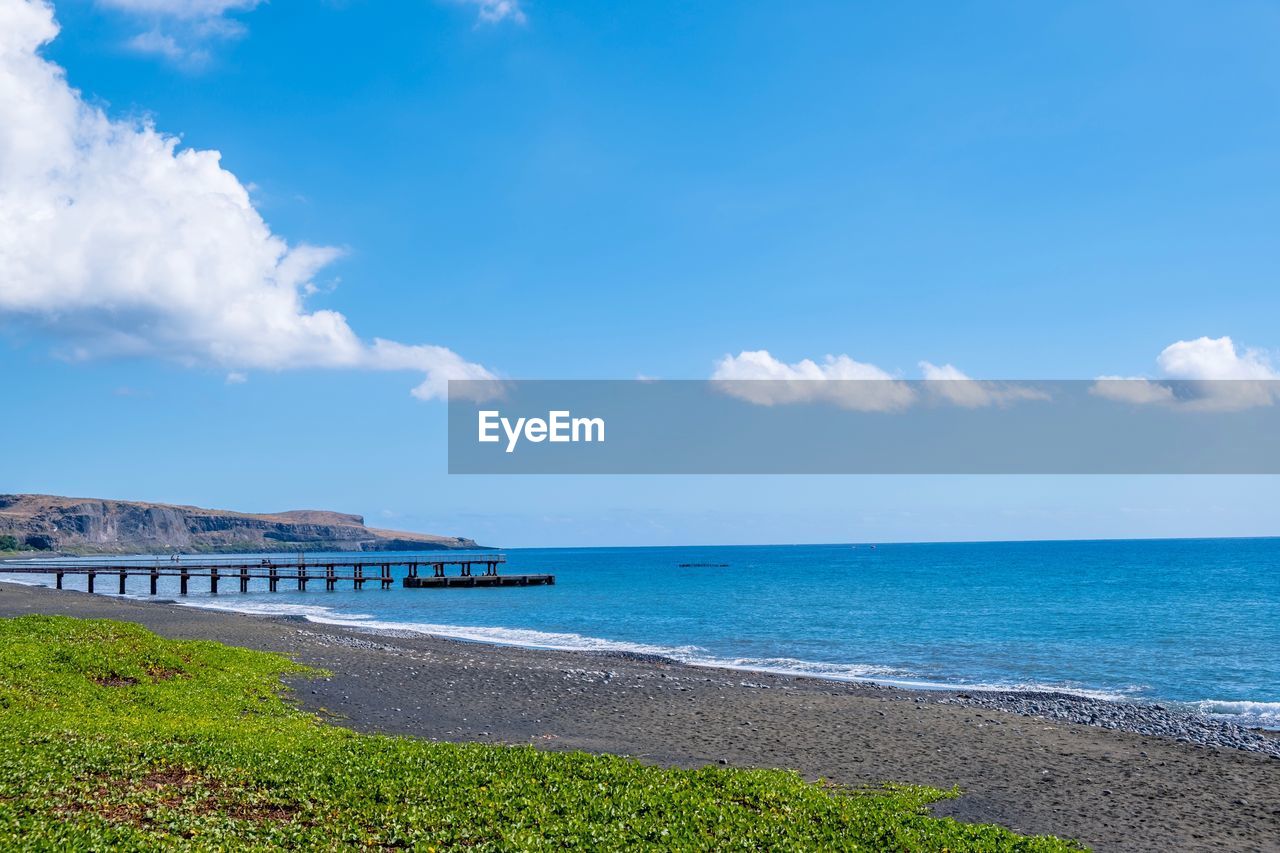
1112 790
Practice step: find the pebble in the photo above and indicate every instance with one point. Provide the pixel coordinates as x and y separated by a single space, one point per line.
1138 718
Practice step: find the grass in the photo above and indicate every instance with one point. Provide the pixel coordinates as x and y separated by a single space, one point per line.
113 737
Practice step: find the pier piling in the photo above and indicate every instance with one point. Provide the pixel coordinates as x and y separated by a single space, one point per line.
380 571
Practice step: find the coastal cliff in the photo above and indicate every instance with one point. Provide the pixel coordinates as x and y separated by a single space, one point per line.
96 526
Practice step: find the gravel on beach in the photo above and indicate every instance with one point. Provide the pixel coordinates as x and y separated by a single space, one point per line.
1143 719
1115 776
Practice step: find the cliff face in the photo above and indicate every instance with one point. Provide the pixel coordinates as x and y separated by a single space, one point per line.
95 526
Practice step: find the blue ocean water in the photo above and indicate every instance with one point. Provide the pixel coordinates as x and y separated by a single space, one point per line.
1184 621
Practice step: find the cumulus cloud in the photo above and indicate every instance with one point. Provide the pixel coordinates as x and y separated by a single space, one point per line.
857 385
1211 374
950 384
121 242
1132 389
1214 358
807 381
1208 374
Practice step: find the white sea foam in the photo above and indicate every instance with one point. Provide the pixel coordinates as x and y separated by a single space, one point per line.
901 678
791 666
25 580
312 613
521 637
689 654
1255 714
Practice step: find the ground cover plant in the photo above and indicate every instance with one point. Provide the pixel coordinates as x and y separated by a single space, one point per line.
111 736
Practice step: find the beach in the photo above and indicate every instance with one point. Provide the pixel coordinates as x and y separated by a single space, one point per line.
1108 788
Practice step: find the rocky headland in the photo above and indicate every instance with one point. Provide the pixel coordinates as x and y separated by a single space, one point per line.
53 524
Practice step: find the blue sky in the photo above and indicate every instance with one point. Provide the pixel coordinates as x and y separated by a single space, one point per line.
579 189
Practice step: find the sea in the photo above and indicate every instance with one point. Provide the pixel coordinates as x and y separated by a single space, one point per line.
1193 623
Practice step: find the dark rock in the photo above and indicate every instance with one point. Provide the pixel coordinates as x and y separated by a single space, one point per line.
91 525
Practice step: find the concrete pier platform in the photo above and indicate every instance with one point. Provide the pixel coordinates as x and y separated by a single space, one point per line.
422 571
432 582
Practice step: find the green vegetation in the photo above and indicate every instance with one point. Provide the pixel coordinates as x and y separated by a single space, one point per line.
35 542
113 737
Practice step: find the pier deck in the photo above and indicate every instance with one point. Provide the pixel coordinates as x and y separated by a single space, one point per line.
479 580
418 572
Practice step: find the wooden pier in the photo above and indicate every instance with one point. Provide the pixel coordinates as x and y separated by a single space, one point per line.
419 572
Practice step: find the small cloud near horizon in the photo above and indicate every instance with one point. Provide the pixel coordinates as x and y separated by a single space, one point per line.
1204 373
850 384
1209 374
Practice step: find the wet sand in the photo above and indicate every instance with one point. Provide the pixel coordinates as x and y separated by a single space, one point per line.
1112 790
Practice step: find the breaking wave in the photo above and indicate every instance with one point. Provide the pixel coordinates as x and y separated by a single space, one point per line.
692 655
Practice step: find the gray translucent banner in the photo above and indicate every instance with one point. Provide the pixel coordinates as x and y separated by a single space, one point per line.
1106 426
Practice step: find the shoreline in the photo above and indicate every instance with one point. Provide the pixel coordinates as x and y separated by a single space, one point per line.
1154 715
1146 718
1111 789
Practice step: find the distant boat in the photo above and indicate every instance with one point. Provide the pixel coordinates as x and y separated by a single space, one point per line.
704 565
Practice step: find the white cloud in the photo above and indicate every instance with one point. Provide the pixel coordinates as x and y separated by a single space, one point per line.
438 363
1214 358
493 11
165 46
1132 389
946 373
759 364
807 381
1205 374
857 385
949 383
1210 374
488 10
181 9
181 31
114 238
